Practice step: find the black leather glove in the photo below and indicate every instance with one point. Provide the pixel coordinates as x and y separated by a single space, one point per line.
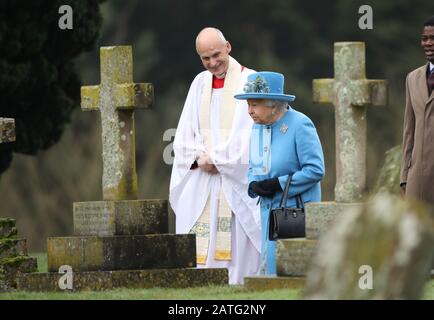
266 188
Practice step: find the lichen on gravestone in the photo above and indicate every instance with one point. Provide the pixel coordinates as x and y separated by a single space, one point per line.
6 243
7 228
11 267
13 255
389 176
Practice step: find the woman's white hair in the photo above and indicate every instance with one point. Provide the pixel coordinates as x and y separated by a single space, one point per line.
279 104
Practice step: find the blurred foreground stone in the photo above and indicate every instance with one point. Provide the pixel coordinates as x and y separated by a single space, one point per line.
382 250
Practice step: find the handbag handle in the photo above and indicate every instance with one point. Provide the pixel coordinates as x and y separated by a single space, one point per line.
284 198
285 192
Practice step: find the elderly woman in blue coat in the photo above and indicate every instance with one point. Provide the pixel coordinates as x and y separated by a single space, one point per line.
284 144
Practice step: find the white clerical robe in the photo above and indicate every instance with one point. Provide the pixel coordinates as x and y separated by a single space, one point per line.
190 189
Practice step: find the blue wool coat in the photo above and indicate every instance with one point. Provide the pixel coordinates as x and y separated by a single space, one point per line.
290 146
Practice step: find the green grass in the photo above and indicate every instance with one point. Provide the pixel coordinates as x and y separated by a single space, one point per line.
42 261
429 291
201 293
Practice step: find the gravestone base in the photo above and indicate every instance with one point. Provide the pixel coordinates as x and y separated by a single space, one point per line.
293 256
319 215
11 268
262 283
92 253
13 255
12 247
106 280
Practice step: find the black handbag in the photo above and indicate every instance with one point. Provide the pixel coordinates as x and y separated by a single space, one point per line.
286 223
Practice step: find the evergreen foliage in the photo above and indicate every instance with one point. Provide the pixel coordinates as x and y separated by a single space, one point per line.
38 82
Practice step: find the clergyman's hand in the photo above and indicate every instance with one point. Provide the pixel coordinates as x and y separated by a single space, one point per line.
204 162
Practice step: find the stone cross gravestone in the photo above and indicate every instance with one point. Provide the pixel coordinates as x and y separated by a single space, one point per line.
121 241
116 98
351 93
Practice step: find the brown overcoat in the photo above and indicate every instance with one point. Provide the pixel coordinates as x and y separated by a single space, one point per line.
417 166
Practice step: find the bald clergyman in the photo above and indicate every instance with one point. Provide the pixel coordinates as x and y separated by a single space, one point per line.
208 187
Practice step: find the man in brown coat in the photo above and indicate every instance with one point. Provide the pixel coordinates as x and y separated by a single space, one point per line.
417 167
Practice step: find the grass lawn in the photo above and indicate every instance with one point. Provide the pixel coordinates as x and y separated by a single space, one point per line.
207 293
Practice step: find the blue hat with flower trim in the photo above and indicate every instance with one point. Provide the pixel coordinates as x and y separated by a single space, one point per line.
265 85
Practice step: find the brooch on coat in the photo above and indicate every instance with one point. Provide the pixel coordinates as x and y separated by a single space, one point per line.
283 128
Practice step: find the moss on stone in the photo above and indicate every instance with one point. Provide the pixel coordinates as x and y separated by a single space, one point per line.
6 222
12 267
14 261
8 242
7 228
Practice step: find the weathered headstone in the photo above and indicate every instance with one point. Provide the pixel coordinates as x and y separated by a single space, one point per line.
13 250
350 93
13 256
382 250
121 241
